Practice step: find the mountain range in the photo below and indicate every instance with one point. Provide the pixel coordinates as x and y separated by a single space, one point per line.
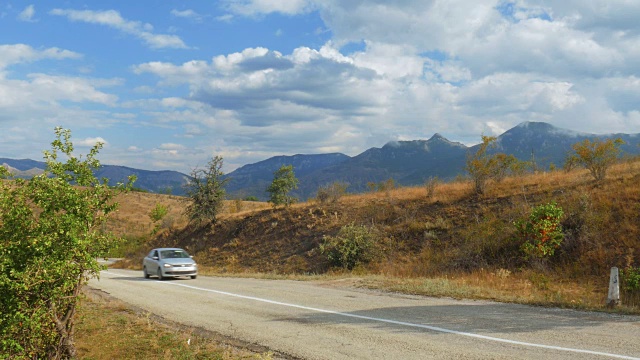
406 162
153 181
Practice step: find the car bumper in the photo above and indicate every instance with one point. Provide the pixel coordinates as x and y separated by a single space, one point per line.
180 272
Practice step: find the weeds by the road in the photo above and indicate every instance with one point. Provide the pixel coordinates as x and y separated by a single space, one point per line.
110 329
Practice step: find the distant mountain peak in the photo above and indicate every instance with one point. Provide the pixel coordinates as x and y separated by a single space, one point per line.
437 136
543 127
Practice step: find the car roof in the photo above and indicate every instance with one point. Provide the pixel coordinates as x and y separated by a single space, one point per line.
159 249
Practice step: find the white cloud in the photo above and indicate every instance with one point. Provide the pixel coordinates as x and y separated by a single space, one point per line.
113 19
258 7
187 14
90 142
171 146
21 53
27 14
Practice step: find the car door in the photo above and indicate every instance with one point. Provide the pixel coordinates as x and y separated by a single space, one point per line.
151 262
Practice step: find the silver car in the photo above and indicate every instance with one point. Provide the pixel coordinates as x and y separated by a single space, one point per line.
169 262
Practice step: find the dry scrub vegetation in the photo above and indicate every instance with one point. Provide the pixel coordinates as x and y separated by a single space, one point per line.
111 329
444 241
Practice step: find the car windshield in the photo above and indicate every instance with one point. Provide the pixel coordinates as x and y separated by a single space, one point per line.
174 254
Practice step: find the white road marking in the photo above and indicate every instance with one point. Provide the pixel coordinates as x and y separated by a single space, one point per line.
387 321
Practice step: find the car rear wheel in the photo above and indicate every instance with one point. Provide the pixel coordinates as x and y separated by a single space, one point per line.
144 271
160 274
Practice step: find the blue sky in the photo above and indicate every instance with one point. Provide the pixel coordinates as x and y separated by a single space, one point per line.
168 85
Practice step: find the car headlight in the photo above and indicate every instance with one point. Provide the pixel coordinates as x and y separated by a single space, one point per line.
167 265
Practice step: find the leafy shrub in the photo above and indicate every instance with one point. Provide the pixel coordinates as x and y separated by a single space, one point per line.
158 212
630 279
50 240
354 245
251 198
542 232
330 194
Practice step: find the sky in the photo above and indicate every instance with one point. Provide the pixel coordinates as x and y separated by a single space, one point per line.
167 85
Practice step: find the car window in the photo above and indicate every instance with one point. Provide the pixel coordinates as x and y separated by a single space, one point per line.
155 253
174 254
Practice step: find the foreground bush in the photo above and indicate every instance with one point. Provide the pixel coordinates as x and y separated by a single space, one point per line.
49 243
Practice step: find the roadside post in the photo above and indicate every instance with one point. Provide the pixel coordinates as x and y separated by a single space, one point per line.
614 288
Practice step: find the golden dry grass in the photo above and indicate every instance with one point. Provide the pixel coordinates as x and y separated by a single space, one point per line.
110 329
453 235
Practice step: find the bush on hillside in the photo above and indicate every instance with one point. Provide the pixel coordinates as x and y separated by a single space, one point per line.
541 233
330 194
354 245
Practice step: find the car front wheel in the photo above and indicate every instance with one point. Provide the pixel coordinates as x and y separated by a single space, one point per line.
160 274
193 276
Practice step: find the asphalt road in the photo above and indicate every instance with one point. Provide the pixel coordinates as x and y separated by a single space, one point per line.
316 321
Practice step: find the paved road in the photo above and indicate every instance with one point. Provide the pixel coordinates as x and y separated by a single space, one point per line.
314 321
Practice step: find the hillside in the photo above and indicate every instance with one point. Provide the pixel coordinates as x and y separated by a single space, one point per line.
454 233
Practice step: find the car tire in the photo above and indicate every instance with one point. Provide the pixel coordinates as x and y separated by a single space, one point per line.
145 273
160 277
193 276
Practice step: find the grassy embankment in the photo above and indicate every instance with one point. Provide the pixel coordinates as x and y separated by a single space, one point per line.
453 243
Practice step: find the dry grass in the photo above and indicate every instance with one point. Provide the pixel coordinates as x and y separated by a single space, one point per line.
453 235
109 329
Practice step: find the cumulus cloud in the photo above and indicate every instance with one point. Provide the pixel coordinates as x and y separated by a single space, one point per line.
113 19
458 67
90 142
187 14
27 14
258 7
21 53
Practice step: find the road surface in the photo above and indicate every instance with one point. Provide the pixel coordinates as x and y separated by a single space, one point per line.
310 320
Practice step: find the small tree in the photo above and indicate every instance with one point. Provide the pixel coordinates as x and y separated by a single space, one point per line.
481 166
596 155
284 180
205 192
50 240
158 213
504 165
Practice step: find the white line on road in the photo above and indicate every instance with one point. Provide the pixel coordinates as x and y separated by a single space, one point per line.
402 323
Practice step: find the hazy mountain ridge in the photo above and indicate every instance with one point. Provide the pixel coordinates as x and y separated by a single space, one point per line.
164 181
407 162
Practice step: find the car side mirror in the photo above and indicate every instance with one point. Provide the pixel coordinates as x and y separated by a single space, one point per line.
155 258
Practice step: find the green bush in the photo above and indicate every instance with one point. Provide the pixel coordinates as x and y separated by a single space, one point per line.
354 245
630 279
50 241
541 233
158 212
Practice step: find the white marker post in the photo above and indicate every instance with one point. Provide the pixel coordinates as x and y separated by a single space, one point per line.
614 288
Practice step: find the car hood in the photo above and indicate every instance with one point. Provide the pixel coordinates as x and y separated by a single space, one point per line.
178 261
